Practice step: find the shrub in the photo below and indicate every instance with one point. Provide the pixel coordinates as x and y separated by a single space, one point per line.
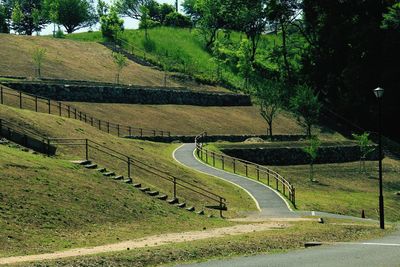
176 19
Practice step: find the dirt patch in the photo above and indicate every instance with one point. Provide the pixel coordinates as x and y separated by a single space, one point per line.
150 241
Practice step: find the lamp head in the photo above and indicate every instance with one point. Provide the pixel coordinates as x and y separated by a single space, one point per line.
379 92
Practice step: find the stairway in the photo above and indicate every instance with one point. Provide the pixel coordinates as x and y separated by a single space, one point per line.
146 190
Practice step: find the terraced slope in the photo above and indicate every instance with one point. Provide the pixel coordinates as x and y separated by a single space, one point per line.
153 154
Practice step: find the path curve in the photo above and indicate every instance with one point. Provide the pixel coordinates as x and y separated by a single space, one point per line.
269 202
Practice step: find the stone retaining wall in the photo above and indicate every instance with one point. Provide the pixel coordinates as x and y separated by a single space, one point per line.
128 94
296 156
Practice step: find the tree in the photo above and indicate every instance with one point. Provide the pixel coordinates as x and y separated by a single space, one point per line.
176 19
74 14
3 20
268 96
29 16
111 25
131 8
145 21
365 147
312 152
120 62
38 57
190 9
282 13
164 11
244 61
391 20
102 8
306 107
211 19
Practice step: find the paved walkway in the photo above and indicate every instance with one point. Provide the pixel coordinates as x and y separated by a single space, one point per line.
382 252
270 203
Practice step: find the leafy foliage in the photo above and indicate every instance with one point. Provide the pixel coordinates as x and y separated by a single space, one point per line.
312 152
306 107
176 19
28 16
120 62
3 20
38 57
111 25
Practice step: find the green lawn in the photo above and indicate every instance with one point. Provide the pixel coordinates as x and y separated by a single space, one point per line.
341 188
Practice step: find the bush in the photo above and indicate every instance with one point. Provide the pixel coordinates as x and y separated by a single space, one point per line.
149 45
111 25
150 24
176 19
60 34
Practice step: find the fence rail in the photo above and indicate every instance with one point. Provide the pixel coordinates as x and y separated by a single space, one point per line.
45 105
247 168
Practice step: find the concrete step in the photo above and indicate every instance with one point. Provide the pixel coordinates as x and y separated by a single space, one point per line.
153 193
181 205
162 197
109 174
128 181
137 185
144 189
90 166
81 162
119 178
173 201
191 209
101 170
200 212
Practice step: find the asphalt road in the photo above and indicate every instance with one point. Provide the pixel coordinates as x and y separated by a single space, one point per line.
270 203
382 252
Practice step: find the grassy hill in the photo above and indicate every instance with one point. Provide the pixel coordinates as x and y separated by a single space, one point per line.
50 204
154 154
183 50
68 59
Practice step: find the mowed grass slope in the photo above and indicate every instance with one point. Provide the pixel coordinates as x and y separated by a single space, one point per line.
191 120
67 59
50 204
154 154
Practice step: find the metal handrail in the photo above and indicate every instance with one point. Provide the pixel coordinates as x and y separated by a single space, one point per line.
279 178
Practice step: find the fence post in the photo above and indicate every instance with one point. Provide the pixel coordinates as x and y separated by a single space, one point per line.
85 118
294 196
80 115
213 156
75 113
206 155
1 95
130 131
69 111
154 132
174 188
223 162
20 99
258 173
234 166
118 130
87 149
108 127
276 180
36 105
99 124
129 167
283 189
141 132
268 176
169 134
48 103
59 109
91 121
246 169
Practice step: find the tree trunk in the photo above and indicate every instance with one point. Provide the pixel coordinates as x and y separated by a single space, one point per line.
285 53
270 129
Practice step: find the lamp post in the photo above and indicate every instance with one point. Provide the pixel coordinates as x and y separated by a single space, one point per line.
379 94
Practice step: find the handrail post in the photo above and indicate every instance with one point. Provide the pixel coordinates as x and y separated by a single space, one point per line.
294 196
20 99
59 109
129 167
268 176
48 103
108 127
69 111
206 155
283 188
85 118
234 166
1 95
36 103
174 188
276 180
99 124
223 162
87 149
91 121
75 113
258 173
118 130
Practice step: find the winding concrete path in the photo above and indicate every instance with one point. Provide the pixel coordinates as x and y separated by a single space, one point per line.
269 202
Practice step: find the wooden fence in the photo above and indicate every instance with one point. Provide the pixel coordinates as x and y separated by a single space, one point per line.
245 168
